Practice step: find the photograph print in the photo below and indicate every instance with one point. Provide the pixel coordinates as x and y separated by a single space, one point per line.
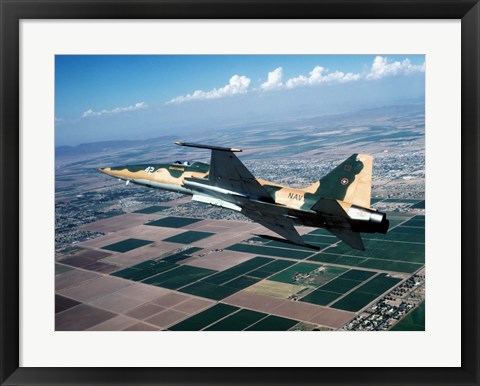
240 192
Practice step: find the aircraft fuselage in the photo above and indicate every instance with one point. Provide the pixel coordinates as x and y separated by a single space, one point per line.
172 177
338 202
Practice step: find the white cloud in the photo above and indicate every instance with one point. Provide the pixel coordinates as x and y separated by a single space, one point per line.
237 85
59 119
297 82
274 79
320 75
116 110
382 68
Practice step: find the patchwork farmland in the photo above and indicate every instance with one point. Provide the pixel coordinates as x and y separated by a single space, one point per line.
154 271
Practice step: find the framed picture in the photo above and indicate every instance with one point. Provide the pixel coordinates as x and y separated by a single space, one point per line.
360 257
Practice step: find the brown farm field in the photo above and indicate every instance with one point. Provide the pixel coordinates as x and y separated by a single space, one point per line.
98 287
133 258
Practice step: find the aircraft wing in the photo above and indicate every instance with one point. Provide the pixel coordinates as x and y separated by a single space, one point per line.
229 173
277 223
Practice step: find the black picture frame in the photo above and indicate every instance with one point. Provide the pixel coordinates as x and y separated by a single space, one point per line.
12 11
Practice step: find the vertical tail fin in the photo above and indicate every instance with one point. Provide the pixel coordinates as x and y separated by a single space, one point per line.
351 181
360 191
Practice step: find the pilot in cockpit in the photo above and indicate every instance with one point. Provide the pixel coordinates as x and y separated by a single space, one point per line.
184 163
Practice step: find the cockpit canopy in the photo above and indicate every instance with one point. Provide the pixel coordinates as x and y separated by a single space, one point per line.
184 163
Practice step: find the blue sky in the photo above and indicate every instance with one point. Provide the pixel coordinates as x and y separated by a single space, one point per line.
110 97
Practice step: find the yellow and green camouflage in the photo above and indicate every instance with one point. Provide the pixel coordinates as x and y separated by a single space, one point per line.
339 201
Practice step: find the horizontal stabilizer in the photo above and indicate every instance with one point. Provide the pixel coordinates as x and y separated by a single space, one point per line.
207 146
329 208
348 236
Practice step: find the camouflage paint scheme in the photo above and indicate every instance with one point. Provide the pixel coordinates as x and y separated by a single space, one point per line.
173 176
340 201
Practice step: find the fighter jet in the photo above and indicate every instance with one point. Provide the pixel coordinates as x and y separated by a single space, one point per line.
338 202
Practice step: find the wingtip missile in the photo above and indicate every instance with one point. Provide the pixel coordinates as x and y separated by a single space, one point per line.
286 241
232 149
